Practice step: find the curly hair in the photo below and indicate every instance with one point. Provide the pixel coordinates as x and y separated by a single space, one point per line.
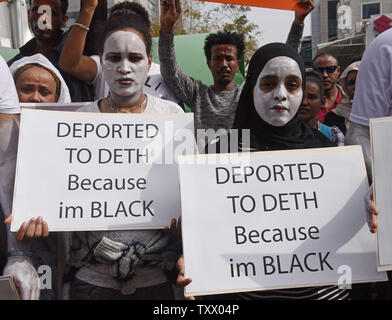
225 37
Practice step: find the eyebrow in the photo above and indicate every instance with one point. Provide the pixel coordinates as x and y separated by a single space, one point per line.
276 76
293 76
120 52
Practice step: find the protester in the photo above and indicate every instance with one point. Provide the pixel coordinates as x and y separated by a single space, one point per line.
328 66
50 41
213 106
126 56
37 80
268 107
89 69
340 116
9 103
373 93
372 99
9 109
145 255
312 101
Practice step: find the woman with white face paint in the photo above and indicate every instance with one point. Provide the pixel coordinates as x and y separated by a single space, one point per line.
270 100
125 55
124 265
268 107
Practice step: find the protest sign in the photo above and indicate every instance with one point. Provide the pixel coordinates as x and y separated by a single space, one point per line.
9 132
273 4
7 289
55 106
280 219
95 171
381 136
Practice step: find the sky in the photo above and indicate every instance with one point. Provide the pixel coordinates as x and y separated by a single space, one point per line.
275 24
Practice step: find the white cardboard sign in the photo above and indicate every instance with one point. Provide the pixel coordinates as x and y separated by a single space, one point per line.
277 220
381 137
93 171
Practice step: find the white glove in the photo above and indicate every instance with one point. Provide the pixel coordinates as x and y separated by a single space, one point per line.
25 277
371 211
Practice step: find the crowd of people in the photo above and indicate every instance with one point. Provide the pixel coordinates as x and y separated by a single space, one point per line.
284 106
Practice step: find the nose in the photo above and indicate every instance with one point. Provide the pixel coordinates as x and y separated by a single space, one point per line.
280 93
124 67
35 97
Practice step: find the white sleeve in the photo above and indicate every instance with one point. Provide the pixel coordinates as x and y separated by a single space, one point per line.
373 90
99 69
9 102
101 88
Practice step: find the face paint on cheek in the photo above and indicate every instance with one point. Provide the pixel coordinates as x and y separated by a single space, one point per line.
274 103
125 63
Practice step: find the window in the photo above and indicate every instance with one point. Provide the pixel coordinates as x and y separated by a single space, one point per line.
332 20
368 9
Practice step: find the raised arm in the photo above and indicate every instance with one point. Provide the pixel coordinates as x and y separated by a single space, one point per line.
72 59
182 85
295 35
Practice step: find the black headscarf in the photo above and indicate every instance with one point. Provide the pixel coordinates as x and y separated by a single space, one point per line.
293 135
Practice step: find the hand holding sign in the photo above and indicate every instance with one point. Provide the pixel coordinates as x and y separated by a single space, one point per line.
181 281
35 228
371 210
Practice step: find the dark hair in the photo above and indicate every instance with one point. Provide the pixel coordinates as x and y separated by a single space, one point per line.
315 77
64 6
127 7
225 37
133 21
325 54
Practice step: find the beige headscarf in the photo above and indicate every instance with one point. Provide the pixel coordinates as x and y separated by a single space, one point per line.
41 60
345 106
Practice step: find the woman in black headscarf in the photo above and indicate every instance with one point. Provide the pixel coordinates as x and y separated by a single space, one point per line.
270 99
268 107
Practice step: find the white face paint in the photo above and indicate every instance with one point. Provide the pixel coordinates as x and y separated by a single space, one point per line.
125 65
278 92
